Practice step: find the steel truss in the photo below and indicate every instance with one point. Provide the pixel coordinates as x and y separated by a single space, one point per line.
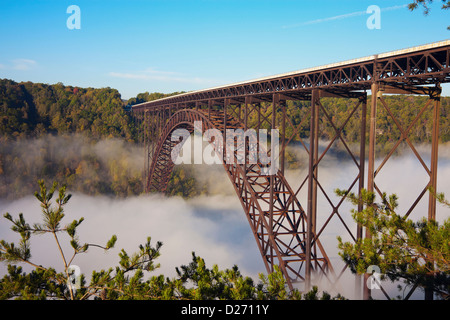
276 218
286 234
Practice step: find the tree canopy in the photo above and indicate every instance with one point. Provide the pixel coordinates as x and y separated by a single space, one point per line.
131 278
416 252
31 109
425 5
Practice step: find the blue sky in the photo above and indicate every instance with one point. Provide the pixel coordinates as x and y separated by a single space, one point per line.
171 45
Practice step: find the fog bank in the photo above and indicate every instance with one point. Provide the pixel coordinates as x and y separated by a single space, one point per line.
214 226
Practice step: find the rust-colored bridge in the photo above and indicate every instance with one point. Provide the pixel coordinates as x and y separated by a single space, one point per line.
288 235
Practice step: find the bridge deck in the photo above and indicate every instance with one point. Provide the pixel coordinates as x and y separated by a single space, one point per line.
417 66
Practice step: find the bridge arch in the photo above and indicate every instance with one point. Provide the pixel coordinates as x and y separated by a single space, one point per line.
276 218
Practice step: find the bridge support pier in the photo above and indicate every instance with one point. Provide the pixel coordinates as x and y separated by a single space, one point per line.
312 184
378 102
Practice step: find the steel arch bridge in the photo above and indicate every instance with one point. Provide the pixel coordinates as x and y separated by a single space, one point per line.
276 218
287 234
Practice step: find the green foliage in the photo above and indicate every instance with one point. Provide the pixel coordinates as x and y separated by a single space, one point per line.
32 109
313 294
39 284
45 282
128 279
275 285
425 4
415 252
214 283
146 96
45 131
229 284
109 166
403 107
183 184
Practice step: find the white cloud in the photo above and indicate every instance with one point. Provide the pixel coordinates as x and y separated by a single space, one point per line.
219 235
165 76
215 227
339 17
19 64
343 16
23 64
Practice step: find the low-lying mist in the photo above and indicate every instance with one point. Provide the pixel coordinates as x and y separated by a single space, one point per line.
212 225
107 166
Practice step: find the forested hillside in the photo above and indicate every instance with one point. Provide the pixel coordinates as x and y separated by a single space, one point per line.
32 109
82 137
147 96
85 138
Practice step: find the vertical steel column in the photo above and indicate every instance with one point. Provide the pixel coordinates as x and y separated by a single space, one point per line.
247 147
247 102
275 99
259 117
371 163
362 157
316 168
372 138
147 129
225 151
433 175
434 156
209 109
310 207
362 162
283 135
240 112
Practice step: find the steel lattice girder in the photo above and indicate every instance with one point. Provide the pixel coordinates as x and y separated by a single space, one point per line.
408 72
276 218
427 65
